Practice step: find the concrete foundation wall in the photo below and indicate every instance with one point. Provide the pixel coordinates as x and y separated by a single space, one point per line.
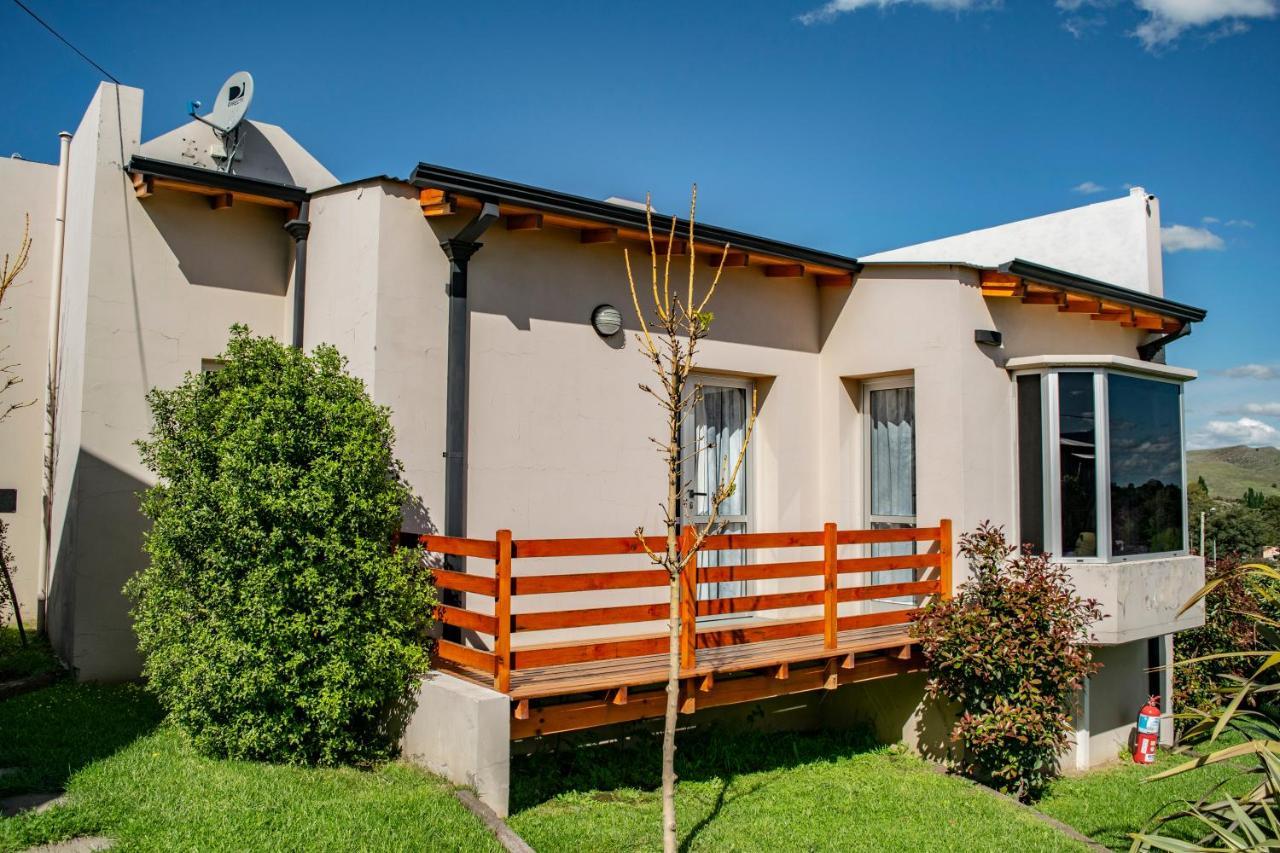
462 731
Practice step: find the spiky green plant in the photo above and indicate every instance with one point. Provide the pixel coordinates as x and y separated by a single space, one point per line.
1251 711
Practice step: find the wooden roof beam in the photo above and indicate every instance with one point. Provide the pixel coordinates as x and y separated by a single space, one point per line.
593 236
784 271
525 222
435 202
825 280
1081 306
731 258
1001 284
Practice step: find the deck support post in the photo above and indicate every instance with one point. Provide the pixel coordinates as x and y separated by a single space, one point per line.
502 613
688 601
830 580
688 696
945 554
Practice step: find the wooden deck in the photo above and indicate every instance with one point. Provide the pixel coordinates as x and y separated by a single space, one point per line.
587 682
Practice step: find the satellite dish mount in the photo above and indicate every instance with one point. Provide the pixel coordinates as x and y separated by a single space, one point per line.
227 115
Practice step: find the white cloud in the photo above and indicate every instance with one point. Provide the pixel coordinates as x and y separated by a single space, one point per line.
1253 371
1239 223
1246 430
1180 238
1266 410
1169 19
1210 220
832 8
1088 188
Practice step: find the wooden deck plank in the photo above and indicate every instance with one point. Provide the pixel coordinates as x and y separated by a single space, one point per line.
638 671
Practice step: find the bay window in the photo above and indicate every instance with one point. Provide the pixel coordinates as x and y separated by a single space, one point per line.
1100 464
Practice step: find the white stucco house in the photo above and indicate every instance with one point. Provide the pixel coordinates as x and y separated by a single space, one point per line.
1016 374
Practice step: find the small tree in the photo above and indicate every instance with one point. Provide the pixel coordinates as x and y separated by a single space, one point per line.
1010 650
10 268
669 337
277 617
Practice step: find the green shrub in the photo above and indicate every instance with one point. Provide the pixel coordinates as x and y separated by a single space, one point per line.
1008 649
277 619
1238 603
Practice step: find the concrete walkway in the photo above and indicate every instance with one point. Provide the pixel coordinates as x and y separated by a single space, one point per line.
85 844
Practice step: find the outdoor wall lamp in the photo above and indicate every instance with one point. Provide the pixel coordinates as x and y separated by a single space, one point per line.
988 337
606 320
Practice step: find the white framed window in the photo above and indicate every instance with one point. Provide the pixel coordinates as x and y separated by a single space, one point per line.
1101 464
712 436
889 448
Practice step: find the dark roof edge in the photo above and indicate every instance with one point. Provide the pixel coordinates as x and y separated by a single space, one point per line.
551 201
218 180
1093 287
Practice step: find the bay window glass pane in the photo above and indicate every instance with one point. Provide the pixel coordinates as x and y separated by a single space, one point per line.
1030 464
1145 421
1077 453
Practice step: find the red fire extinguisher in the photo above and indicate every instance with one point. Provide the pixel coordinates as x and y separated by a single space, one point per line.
1144 748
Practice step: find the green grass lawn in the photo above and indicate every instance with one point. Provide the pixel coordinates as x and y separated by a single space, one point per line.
742 791
18 661
135 779
1109 803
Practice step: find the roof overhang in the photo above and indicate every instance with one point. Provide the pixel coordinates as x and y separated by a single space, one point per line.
1036 278
221 188
443 191
1111 362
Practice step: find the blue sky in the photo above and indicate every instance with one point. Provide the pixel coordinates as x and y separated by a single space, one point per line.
854 126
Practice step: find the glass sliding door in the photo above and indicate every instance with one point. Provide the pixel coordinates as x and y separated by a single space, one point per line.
713 433
890 407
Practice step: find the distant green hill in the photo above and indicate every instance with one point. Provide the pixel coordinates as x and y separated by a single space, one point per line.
1230 471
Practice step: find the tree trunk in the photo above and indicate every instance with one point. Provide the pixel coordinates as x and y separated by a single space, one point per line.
669 844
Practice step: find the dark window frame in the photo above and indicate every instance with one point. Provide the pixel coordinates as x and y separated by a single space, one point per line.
1051 468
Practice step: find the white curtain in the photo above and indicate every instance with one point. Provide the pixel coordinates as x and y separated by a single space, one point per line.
893 452
893 476
720 425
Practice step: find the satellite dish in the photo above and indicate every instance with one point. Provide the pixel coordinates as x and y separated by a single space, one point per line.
232 102
228 112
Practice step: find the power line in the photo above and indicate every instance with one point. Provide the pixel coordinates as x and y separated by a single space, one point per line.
60 38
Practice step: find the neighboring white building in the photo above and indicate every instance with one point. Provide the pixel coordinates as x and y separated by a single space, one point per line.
1030 392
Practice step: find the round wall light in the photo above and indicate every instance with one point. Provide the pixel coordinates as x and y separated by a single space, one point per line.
606 320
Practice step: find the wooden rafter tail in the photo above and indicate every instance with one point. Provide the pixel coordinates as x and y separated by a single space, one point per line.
784 271
731 259
435 202
524 222
143 185
1001 284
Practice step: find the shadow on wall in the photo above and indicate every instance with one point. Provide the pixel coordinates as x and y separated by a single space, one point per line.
244 247
896 709
99 550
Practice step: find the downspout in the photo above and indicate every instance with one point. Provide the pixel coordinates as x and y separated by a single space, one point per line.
459 250
51 380
1152 349
298 229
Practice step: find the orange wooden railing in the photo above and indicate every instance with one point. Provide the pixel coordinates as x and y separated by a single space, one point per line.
502 587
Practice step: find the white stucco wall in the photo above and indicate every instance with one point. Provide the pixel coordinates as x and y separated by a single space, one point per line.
1116 241
27 189
151 287
376 290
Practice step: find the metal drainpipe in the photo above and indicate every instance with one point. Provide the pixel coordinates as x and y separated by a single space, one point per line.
299 229
51 381
459 250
